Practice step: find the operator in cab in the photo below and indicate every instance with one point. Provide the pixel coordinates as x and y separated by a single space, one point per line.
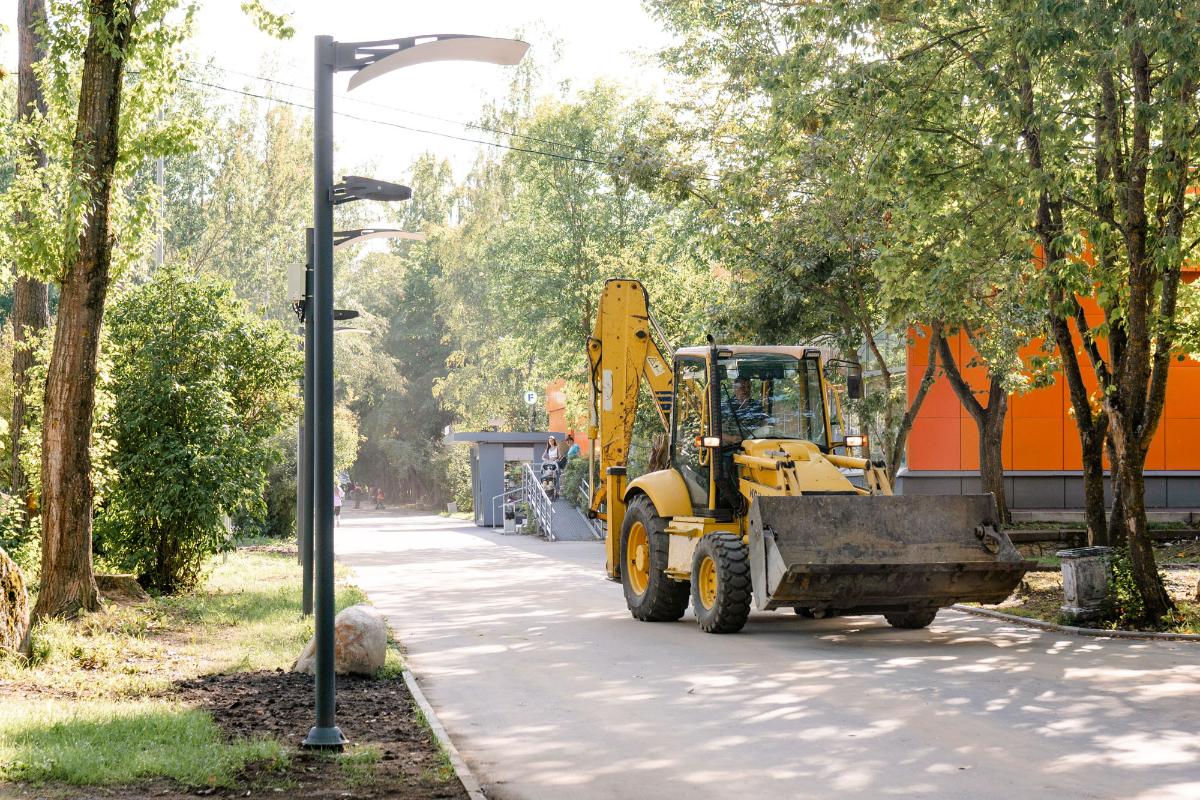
741 413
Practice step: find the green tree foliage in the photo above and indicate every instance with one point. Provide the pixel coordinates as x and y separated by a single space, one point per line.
984 129
540 235
200 385
393 362
237 205
42 212
1089 112
783 163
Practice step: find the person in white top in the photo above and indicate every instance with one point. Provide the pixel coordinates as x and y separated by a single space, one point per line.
338 495
551 457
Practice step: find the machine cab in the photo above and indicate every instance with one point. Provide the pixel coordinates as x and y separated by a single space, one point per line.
725 397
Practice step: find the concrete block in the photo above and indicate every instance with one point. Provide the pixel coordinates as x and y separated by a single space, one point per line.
930 485
1074 492
1038 492
1183 492
1156 492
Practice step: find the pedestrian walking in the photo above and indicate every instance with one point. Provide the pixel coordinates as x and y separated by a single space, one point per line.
572 450
338 495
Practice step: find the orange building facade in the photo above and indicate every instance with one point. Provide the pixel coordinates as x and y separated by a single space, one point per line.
1042 455
556 410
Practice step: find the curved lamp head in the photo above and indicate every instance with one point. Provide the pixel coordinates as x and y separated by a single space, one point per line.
344 238
486 49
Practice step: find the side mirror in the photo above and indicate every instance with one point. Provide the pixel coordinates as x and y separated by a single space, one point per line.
851 372
854 385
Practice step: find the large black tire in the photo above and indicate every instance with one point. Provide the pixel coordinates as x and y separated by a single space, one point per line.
651 595
721 583
912 620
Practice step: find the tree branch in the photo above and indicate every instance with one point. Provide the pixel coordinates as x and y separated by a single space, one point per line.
962 389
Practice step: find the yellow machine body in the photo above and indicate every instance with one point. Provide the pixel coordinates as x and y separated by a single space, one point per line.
782 511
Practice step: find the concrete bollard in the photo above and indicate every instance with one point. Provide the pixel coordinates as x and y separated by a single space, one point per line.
1085 582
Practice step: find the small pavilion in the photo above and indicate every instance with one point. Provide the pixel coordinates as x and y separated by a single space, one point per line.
490 452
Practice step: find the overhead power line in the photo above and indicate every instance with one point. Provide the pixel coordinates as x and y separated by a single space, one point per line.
413 129
424 115
410 128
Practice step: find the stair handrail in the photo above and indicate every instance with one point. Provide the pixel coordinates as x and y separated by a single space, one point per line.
540 505
585 496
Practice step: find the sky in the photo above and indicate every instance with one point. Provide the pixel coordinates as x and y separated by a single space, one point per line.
574 41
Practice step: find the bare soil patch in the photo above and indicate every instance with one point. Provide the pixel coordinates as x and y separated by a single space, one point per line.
1040 596
377 715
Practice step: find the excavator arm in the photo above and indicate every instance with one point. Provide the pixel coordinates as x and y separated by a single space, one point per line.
622 352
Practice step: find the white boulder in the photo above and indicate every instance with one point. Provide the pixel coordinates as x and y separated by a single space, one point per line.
359 644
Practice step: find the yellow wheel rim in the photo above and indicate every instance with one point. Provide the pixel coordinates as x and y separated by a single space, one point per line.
706 582
637 558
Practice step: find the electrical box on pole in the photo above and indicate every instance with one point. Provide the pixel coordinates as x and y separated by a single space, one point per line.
297 282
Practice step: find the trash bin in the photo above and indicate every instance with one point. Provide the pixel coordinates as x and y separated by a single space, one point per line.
510 518
1085 582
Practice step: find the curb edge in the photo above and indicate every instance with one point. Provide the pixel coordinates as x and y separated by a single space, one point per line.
461 770
1097 632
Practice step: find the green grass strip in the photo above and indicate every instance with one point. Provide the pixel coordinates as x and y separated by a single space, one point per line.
99 742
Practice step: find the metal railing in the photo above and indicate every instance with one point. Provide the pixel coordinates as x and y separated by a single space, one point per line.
585 495
496 499
541 507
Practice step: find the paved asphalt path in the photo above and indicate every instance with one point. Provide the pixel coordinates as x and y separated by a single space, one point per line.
551 690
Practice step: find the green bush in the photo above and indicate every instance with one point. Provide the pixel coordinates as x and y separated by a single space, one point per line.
1128 610
280 500
199 386
18 540
458 479
276 517
574 475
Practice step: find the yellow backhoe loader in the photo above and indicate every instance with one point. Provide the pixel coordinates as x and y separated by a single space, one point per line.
759 500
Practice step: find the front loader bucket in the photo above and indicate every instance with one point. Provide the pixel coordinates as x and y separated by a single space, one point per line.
845 553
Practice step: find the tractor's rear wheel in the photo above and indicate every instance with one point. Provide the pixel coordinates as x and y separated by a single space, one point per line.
651 595
911 619
721 583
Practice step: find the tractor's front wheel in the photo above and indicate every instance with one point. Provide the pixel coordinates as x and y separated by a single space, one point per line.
721 583
651 595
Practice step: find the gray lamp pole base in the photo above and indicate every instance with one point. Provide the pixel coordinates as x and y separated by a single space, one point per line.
325 739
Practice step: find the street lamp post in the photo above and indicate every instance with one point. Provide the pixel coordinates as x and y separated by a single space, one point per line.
304 461
368 60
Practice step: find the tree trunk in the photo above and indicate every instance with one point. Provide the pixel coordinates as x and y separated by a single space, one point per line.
31 306
1117 533
1049 226
989 420
1155 599
1092 426
68 585
896 449
991 452
1093 488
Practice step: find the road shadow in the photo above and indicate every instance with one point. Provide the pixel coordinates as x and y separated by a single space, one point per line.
845 706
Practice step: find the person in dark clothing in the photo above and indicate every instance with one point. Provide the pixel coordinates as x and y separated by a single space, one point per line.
741 413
